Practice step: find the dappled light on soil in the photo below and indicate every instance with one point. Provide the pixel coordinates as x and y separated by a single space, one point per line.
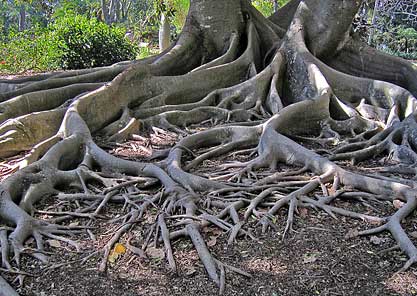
256 155
403 283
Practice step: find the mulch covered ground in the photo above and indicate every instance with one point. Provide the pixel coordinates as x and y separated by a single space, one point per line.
318 258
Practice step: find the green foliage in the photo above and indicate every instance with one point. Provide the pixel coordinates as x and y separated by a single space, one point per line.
181 9
33 49
175 10
146 51
65 8
88 43
266 7
72 42
409 33
67 33
400 41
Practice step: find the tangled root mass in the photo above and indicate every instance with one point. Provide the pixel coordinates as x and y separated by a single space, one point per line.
294 95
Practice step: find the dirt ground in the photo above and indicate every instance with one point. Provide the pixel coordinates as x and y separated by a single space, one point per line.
318 258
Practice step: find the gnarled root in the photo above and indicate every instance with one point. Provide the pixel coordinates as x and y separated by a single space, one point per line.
398 141
267 88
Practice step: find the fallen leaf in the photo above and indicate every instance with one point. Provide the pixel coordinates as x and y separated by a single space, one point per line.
217 232
73 224
352 233
113 257
206 229
310 258
398 204
303 213
374 222
212 242
155 253
54 243
119 248
413 234
376 240
244 254
190 271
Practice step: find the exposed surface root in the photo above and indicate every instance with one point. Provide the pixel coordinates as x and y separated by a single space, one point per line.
262 123
397 141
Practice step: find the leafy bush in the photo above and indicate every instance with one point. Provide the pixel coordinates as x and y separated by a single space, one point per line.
400 41
71 42
267 7
33 49
88 43
181 9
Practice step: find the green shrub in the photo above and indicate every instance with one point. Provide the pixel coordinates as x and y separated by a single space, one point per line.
400 41
266 7
33 49
88 43
71 42
181 10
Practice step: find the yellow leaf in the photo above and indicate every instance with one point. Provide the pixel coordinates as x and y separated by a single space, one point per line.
119 249
113 257
54 243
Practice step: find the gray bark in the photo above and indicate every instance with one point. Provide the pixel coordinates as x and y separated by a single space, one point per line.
164 33
373 23
105 11
6 289
22 18
276 5
114 14
229 65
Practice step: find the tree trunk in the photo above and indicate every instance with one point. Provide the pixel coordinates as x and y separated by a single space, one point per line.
6 25
374 21
118 11
22 18
164 33
114 14
254 86
105 11
276 5
125 8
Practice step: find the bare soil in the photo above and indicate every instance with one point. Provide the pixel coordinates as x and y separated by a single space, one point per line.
317 258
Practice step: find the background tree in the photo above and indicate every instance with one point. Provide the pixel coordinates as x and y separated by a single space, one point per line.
391 26
166 11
